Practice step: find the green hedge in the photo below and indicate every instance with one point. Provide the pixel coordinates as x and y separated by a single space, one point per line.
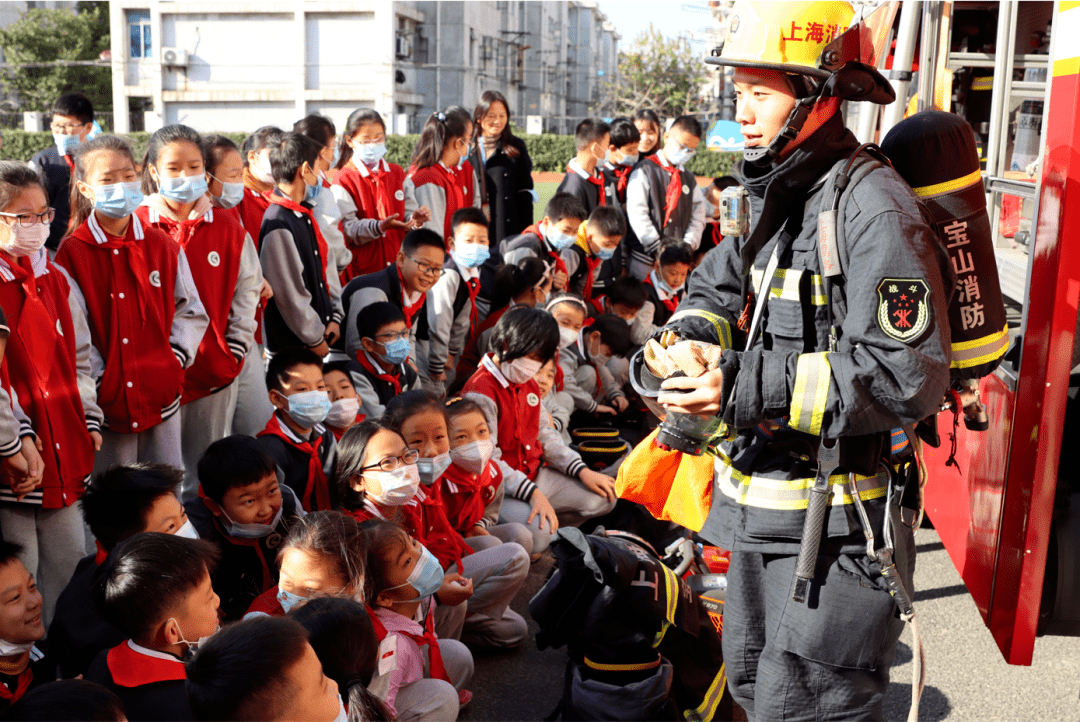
549 152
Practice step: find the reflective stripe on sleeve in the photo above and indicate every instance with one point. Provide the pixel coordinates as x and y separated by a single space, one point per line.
785 284
811 392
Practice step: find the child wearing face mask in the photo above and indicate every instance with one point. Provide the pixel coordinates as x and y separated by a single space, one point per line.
380 370
583 178
344 401
666 284
23 665
421 685
320 130
305 309
370 193
145 316
584 363
440 179
247 512
623 155
47 369
555 401
71 126
547 239
156 588
523 340
295 437
663 201
595 260
225 268
258 178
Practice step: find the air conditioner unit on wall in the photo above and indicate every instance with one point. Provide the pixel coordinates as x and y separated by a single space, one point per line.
403 46
174 56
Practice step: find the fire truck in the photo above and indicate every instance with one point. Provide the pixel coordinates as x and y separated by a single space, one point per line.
1006 500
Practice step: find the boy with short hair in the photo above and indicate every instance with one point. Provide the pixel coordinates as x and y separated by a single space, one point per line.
295 436
547 239
344 401
594 261
261 669
294 255
586 376
582 179
22 664
417 268
120 503
663 201
622 157
156 588
451 309
72 121
379 369
244 509
667 282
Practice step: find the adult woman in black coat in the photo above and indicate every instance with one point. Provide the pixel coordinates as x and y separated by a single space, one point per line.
504 168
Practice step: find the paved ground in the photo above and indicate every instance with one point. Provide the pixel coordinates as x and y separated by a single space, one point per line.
967 678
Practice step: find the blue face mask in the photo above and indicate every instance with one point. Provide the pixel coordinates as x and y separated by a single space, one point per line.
185 189
250 531
231 195
470 255
308 408
337 156
397 351
369 153
605 254
312 192
679 155
66 144
629 160
289 601
118 200
561 241
426 577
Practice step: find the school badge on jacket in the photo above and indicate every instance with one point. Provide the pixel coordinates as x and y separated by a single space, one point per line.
903 308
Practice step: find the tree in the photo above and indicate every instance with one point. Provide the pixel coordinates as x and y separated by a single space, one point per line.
37 47
659 73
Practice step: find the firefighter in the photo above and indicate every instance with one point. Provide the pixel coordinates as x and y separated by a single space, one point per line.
853 359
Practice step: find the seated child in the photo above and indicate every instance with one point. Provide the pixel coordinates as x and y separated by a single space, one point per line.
594 261
344 401
586 376
261 669
403 579
558 403
120 503
295 437
666 284
547 239
22 664
340 631
68 699
627 299
156 588
323 556
524 340
380 369
244 509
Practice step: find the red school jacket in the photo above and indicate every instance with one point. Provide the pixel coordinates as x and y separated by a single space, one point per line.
519 416
378 193
465 495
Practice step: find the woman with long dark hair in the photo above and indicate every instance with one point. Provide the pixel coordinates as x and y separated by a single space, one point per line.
503 168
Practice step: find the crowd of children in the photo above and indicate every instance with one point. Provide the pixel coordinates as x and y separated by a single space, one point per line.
299 390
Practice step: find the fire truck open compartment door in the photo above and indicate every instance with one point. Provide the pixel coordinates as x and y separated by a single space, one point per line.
995 514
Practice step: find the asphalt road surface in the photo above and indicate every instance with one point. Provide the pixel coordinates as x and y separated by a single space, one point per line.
967 679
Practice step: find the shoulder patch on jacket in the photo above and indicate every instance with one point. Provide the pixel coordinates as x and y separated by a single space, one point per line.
903 308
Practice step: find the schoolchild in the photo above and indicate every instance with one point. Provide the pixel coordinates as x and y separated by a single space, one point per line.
344 401
404 577
295 256
22 664
451 306
225 268
225 170
258 178
120 503
156 588
555 233
663 201
595 260
323 556
72 120
557 402
261 670
370 193
135 287
46 368
583 178
244 509
623 155
320 130
439 178
627 299
295 437
380 370
584 364
524 339
649 126
417 268
68 699
20 461
666 283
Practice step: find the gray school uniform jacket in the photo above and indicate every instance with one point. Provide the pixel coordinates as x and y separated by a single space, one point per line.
449 313
329 215
573 361
559 406
645 211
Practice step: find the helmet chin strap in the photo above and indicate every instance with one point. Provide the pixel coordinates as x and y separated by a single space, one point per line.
762 157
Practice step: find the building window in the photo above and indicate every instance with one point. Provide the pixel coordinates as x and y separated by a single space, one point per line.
139 32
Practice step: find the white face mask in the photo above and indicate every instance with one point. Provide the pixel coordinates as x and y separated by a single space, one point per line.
431 469
187 531
473 457
567 337
520 370
25 241
9 649
343 412
192 646
262 170
398 486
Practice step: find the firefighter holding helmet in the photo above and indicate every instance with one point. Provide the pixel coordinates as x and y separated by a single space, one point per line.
835 343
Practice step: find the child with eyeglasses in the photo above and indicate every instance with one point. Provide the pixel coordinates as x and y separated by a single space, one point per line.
72 121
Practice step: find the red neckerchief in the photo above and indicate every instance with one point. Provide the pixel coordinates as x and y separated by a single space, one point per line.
598 304
455 197
317 481
558 373
292 205
437 670
101 555
671 303
238 541
591 263
674 188
179 231
717 236
131 669
36 327
380 182
473 284
409 311
598 181
362 359
338 433
26 676
560 265
70 163
622 174
135 261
